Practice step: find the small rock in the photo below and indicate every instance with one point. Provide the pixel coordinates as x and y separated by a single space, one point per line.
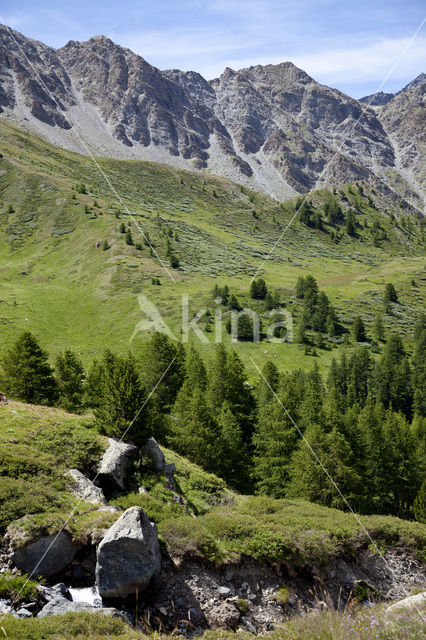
59 590
24 613
249 625
224 591
225 616
229 574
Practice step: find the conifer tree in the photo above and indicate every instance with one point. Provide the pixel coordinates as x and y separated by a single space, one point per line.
258 289
268 384
393 377
300 287
299 334
308 478
358 330
419 375
216 380
69 378
27 374
120 401
162 368
350 223
235 460
195 371
359 375
233 303
401 467
274 441
390 293
238 394
370 426
93 382
194 432
224 294
420 504
319 318
379 329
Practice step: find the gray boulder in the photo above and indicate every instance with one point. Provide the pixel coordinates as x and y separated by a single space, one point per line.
59 606
59 590
46 556
115 464
84 488
128 556
154 455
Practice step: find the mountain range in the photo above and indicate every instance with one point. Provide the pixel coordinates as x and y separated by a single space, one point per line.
272 128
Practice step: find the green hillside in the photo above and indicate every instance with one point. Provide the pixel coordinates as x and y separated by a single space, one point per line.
212 525
46 442
56 283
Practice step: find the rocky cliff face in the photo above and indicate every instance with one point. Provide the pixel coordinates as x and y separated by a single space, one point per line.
270 127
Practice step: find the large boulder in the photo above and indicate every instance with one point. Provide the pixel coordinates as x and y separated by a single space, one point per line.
46 556
115 465
84 488
154 456
128 556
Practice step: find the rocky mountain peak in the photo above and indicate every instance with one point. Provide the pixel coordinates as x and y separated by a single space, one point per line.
271 127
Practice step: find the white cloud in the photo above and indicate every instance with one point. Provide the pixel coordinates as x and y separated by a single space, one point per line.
367 64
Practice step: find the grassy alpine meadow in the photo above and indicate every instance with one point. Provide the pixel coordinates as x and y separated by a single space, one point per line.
69 275
214 523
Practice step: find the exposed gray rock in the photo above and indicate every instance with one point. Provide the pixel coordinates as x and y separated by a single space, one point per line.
84 488
115 464
154 455
59 590
46 556
24 613
271 127
225 616
59 606
417 601
224 591
129 556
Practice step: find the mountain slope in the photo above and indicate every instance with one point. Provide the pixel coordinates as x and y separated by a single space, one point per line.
272 128
57 283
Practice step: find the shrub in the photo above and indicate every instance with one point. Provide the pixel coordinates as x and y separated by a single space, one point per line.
243 606
187 536
20 587
282 595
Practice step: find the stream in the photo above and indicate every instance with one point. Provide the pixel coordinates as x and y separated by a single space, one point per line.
90 595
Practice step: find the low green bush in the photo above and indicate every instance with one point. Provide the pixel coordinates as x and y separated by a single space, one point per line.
19 587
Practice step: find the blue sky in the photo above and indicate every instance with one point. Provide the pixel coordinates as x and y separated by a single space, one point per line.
348 45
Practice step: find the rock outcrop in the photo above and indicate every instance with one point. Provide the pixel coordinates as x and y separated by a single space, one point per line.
115 465
45 556
128 557
84 488
154 457
270 127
